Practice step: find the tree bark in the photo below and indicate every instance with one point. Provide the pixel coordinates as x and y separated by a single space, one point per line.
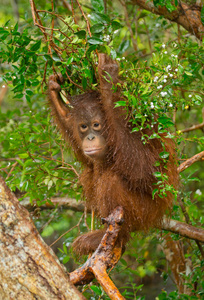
28 267
186 14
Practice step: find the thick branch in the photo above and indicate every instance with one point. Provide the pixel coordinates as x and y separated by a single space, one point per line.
106 255
28 267
186 164
183 229
62 202
188 16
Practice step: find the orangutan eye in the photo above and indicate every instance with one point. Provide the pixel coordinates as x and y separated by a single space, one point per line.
96 126
83 127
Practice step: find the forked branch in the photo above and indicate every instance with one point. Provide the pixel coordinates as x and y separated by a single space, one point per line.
106 255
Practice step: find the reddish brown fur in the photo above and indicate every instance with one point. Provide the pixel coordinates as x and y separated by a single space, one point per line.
125 177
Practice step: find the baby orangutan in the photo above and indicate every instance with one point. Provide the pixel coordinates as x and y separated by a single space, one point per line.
118 167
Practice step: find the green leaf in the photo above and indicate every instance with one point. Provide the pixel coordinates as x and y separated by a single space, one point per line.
102 18
98 5
81 34
135 129
154 136
124 46
23 155
199 98
18 88
7 22
97 28
15 27
170 7
120 103
165 121
36 46
29 92
123 262
96 289
164 154
65 248
95 41
188 73
156 2
84 83
158 175
56 58
154 192
116 25
65 259
69 61
91 48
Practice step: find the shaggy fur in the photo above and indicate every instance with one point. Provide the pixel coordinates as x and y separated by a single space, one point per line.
125 177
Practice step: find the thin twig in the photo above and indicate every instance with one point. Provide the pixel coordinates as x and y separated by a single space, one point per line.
127 17
77 225
85 17
194 127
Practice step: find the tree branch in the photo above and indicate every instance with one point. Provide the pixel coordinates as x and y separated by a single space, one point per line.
186 164
183 229
188 16
194 127
106 255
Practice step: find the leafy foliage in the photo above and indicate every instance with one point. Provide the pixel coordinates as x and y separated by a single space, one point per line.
160 78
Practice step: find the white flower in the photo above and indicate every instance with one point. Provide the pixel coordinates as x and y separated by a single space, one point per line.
106 38
156 78
176 70
157 25
168 67
170 105
152 105
165 52
159 87
165 76
163 45
176 56
172 55
171 75
163 94
3 86
189 96
198 192
164 80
